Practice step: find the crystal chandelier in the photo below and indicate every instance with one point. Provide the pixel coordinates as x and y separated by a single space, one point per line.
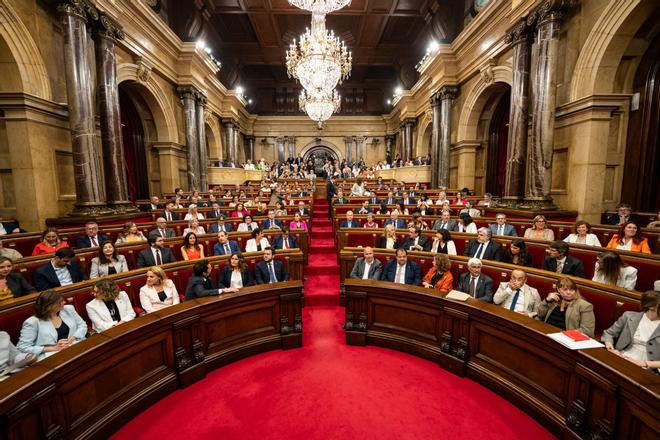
319 107
320 6
320 60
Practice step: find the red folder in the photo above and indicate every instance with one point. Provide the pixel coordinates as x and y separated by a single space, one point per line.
576 335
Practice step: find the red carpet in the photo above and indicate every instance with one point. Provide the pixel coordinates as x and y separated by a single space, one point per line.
328 390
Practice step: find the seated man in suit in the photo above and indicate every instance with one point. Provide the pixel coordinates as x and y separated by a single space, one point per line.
162 230
220 225
402 271
390 200
271 222
92 238
340 200
407 199
154 204
445 222
156 254
285 241
364 209
475 283
169 213
367 267
559 261
518 296
624 214
415 240
302 209
61 270
395 221
225 246
215 211
200 284
270 270
374 200
483 248
501 228
349 222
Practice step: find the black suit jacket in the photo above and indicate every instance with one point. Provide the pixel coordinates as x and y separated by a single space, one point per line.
423 242
493 251
44 277
214 214
382 242
484 290
331 190
224 280
199 287
85 242
572 266
291 242
614 220
175 215
262 276
413 275
19 285
146 257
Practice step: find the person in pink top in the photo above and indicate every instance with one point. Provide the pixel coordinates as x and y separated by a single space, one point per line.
297 222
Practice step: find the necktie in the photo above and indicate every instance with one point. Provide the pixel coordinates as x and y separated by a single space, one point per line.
473 286
159 260
443 225
560 266
162 233
515 300
168 216
227 251
479 249
94 242
399 274
500 230
271 272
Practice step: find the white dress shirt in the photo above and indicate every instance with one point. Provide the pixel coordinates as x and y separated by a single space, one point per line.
367 268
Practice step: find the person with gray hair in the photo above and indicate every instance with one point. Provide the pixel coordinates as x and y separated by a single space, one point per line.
482 247
475 283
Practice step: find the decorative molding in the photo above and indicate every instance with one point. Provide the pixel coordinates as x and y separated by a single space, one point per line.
284 325
198 351
143 72
182 359
575 419
445 344
521 32
348 324
486 71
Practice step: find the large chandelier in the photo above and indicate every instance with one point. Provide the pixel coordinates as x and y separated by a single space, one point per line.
319 107
320 60
320 6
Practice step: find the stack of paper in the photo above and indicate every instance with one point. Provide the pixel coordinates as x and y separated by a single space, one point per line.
572 344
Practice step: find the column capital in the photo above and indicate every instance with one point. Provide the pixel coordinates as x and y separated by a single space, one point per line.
408 122
106 27
249 137
201 98
186 92
74 8
348 139
521 32
550 10
447 92
228 122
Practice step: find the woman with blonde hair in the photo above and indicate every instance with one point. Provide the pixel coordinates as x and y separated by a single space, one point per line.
439 276
130 234
567 310
540 230
110 306
389 239
159 291
194 227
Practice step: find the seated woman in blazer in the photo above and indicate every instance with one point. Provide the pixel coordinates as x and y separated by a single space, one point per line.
53 327
248 224
439 276
567 310
12 285
109 307
637 334
236 273
389 239
108 262
159 292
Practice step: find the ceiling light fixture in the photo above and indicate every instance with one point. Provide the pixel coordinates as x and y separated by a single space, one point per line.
320 6
320 107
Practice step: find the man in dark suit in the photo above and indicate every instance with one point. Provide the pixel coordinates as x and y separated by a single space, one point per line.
501 228
349 222
367 267
154 204
225 246
390 200
407 200
624 214
402 271
270 270
61 270
156 254
200 284
220 225
92 238
271 222
162 230
302 210
215 211
396 221
475 283
559 261
483 247
331 191
445 222
374 200
416 241
169 213
340 200
285 241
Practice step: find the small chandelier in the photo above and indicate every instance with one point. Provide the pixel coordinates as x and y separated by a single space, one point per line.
319 107
320 6
320 60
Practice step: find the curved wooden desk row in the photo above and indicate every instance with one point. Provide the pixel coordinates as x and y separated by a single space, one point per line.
588 394
648 266
144 204
609 301
90 389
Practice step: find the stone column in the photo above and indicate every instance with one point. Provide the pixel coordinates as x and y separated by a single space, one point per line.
548 18
106 34
201 141
520 38
446 95
86 166
359 148
188 96
348 143
291 146
389 145
230 140
436 104
249 147
280 149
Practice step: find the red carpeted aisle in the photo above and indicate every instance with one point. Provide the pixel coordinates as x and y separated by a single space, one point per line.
328 390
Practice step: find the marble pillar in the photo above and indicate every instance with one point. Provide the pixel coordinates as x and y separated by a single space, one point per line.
389 146
188 96
291 146
249 147
359 148
90 197
520 38
106 34
446 95
348 145
201 142
436 104
280 149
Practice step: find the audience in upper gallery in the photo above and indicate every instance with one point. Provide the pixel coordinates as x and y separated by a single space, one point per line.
50 242
539 230
10 356
53 327
655 223
192 249
624 215
236 273
476 284
395 221
559 261
500 227
61 270
130 234
567 310
108 261
298 222
247 225
445 222
370 223
8 228
92 238
389 239
12 284
637 334
517 254
629 238
469 210
271 222
10 253
156 254
416 241
582 235
439 276
610 269
466 224
517 296
270 270
442 243
400 270
220 225
367 267
110 306
483 247
285 240
257 243
194 227
225 246
159 291
200 283
350 222
162 230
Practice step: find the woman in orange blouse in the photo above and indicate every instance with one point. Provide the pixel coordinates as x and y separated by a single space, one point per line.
439 276
191 249
630 239
50 242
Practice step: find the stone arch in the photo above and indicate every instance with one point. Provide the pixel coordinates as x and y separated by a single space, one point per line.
24 50
424 129
155 98
323 143
213 137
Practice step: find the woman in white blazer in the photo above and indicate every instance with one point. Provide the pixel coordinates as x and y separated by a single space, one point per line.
582 235
610 269
247 221
108 262
109 307
159 292
257 237
53 327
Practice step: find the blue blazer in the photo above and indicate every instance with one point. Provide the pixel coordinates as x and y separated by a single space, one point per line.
509 230
354 224
291 242
413 276
263 277
400 223
85 242
36 333
44 277
268 223
219 249
214 228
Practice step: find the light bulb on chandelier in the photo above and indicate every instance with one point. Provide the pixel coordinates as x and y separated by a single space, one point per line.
319 107
320 6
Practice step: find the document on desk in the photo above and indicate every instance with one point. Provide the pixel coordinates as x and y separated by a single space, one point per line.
574 345
457 295
11 368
